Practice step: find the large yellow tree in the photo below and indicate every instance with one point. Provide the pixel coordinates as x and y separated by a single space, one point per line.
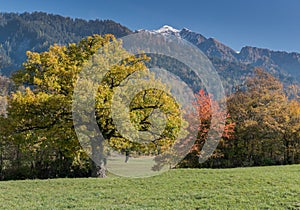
40 117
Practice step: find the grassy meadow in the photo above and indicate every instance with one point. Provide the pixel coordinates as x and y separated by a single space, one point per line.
275 187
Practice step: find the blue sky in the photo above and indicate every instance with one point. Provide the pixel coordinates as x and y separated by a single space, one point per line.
273 24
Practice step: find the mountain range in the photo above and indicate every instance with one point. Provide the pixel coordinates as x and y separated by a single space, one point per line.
281 64
37 31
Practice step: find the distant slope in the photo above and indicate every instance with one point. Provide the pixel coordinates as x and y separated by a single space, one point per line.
37 31
233 66
279 63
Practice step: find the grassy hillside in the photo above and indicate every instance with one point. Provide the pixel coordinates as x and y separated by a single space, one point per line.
275 187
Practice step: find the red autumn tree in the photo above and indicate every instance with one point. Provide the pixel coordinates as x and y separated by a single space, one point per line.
214 128
209 125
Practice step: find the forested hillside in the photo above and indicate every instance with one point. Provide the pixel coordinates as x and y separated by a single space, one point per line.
37 31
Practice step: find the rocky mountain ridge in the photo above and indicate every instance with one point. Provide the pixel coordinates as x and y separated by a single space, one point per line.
279 63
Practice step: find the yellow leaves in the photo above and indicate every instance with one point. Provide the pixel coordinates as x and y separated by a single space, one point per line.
33 58
293 121
37 81
29 97
294 108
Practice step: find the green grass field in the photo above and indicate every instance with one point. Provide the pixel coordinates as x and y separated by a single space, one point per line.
276 187
135 167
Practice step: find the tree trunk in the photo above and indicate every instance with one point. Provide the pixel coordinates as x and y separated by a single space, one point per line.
1 161
98 159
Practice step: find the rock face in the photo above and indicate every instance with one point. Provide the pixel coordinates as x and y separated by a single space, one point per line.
284 62
193 37
213 48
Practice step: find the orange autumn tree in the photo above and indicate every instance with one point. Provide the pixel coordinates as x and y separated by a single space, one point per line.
204 107
200 125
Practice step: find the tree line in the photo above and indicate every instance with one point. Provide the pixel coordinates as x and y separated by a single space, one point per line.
263 124
38 140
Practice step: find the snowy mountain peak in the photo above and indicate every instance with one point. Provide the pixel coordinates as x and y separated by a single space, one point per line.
167 29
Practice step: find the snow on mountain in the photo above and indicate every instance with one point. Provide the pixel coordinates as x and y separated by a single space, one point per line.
165 30
211 47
